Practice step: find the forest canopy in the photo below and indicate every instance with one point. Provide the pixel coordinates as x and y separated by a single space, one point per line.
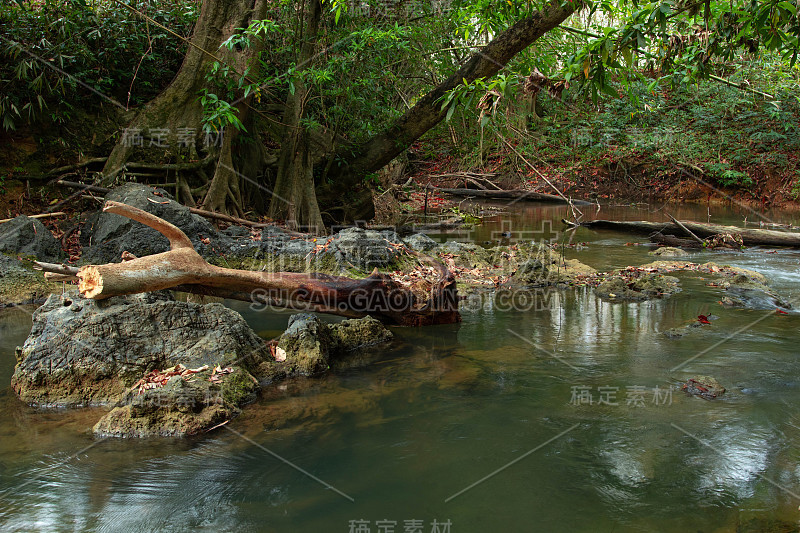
315 98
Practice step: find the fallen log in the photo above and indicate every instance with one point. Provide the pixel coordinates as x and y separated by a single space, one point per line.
673 241
377 295
513 194
750 237
55 272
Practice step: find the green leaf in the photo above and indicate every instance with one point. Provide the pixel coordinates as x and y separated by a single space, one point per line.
450 111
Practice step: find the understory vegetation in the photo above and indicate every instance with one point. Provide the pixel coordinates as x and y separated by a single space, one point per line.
647 138
617 99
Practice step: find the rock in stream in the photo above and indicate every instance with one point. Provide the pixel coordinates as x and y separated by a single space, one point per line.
166 368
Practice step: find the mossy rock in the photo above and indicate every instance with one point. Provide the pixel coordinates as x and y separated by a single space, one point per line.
668 251
20 284
646 287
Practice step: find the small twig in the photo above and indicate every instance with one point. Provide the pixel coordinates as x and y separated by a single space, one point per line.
43 215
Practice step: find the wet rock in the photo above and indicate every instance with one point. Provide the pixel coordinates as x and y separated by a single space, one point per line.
640 288
541 266
310 345
307 344
668 251
705 387
105 235
29 237
355 334
746 290
420 242
676 333
363 249
20 284
94 352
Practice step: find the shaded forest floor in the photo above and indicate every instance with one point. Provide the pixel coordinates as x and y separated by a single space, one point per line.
710 143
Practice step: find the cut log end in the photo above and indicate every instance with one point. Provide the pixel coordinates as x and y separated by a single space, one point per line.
90 283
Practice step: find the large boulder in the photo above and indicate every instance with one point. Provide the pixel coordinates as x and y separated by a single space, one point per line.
306 344
167 368
131 352
105 235
363 249
28 236
420 242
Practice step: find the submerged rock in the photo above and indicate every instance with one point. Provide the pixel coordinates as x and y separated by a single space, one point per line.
744 290
640 288
705 387
676 333
28 236
668 251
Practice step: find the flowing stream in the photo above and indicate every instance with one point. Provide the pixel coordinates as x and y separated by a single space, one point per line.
486 425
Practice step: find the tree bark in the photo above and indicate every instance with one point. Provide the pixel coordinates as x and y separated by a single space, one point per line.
294 198
377 295
750 237
177 111
427 112
517 194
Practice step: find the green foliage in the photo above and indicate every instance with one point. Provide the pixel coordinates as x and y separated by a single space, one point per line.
56 53
217 114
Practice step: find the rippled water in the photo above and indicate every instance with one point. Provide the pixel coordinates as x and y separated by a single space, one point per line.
475 423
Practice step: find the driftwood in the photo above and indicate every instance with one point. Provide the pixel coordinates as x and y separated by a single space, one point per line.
750 237
377 295
515 194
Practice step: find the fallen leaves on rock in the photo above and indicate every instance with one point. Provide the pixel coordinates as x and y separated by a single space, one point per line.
158 378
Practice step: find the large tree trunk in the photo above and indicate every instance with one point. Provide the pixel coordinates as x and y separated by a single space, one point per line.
294 198
377 295
427 112
172 122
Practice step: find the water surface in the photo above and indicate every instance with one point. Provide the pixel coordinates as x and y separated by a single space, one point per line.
496 398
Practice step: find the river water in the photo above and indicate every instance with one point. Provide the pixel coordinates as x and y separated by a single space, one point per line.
482 426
